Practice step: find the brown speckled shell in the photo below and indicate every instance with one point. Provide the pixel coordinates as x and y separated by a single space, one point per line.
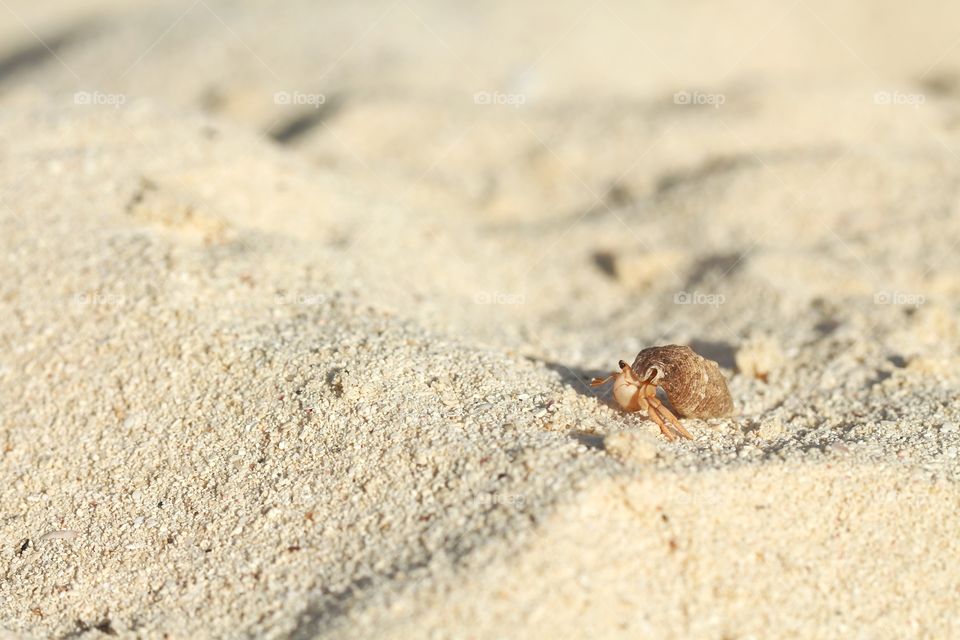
694 385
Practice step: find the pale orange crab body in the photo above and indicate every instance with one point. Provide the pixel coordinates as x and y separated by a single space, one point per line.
694 386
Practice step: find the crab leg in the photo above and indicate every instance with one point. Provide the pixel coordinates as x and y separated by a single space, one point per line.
653 415
655 406
596 382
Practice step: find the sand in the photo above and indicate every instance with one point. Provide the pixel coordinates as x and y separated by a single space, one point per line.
298 307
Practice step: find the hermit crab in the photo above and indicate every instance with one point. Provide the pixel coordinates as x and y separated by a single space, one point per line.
694 386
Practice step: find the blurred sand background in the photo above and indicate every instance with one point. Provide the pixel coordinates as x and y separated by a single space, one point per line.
298 301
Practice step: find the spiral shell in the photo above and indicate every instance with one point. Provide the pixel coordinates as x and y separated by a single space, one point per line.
694 385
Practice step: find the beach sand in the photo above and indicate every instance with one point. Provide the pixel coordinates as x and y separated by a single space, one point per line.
299 306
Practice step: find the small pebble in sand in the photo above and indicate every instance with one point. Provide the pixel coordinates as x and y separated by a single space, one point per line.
628 446
61 534
771 429
759 357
